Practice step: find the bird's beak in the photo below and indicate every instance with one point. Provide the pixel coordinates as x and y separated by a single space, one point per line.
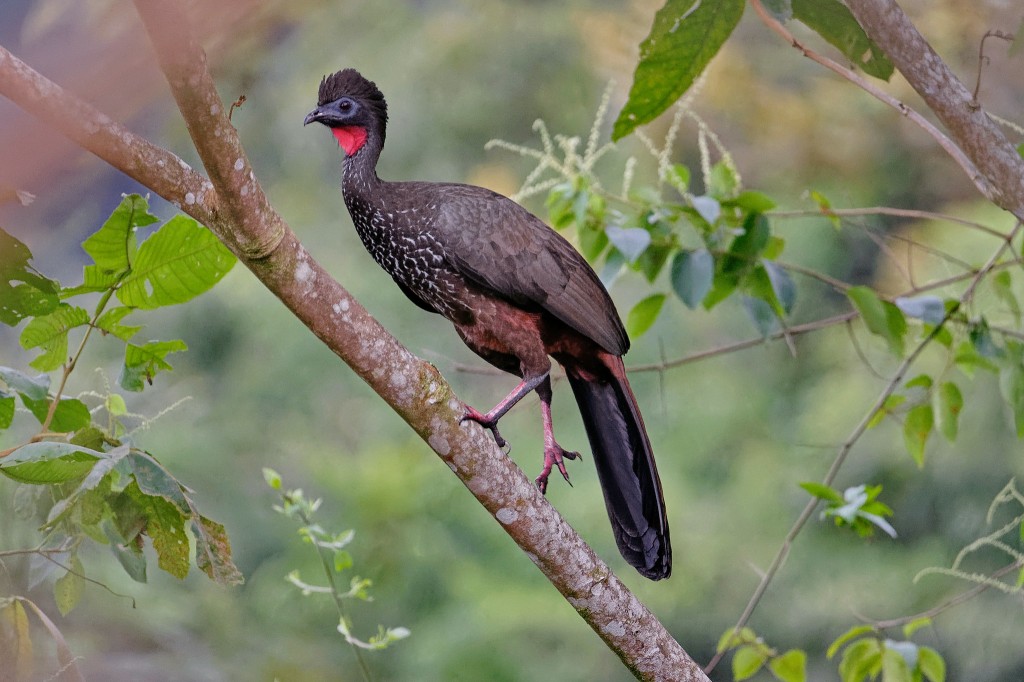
315 115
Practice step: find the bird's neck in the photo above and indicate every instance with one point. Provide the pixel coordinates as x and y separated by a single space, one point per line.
359 180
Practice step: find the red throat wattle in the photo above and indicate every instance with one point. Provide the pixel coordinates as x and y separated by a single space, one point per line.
351 138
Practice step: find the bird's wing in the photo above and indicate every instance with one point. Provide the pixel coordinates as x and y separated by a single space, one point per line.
512 252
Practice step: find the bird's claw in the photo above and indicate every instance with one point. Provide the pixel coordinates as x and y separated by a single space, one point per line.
487 422
554 457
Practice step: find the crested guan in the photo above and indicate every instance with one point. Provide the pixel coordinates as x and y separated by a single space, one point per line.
517 292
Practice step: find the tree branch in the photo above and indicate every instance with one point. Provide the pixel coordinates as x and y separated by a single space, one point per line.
981 140
232 204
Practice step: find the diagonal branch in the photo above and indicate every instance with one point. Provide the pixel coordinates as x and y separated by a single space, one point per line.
232 204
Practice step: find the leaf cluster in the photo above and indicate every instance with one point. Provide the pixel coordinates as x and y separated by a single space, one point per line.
100 486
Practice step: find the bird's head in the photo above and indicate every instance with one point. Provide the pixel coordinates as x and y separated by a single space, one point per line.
352 107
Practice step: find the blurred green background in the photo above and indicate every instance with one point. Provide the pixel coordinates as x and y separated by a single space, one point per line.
734 434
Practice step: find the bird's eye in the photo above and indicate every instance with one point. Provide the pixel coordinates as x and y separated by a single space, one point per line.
345 104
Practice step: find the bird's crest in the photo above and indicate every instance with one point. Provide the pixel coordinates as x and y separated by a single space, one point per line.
351 83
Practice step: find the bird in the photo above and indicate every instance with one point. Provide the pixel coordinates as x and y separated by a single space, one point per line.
518 294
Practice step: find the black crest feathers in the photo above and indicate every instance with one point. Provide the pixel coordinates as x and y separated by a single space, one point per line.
351 83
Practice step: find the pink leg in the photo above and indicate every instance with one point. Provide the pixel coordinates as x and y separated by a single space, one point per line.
490 420
553 452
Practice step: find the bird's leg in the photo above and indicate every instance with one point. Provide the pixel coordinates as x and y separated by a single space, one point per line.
490 420
553 452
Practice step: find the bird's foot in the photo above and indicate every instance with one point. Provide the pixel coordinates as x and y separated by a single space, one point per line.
554 456
486 421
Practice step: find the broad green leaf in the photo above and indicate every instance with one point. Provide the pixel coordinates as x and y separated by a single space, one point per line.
746 661
833 21
849 635
916 430
931 309
822 492
684 38
34 296
643 314
920 381
110 322
630 241
113 246
48 462
790 666
154 480
981 338
213 552
93 279
36 388
71 414
143 363
967 359
731 639
50 334
593 241
724 183
692 274
654 257
177 263
948 403
882 318
68 589
132 559
931 664
166 528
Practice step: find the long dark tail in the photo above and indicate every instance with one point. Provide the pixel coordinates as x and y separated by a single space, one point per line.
625 468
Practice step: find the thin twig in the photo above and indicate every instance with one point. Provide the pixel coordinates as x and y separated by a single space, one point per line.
889 211
849 74
855 435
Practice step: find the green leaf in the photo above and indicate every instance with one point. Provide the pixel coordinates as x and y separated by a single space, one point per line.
731 639
762 314
35 388
724 183
110 323
916 430
213 552
132 559
822 492
881 317
782 285
272 478
948 403
851 634
50 333
890 404
683 39
747 660
177 263
931 664
630 241
166 527
6 409
751 202
143 363
154 480
895 666
692 274
113 246
71 414
342 561
34 296
47 463
967 359
790 666
832 21
913 626
825 206
708 208
68 589
643 315
740 259
1002 284
861 659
